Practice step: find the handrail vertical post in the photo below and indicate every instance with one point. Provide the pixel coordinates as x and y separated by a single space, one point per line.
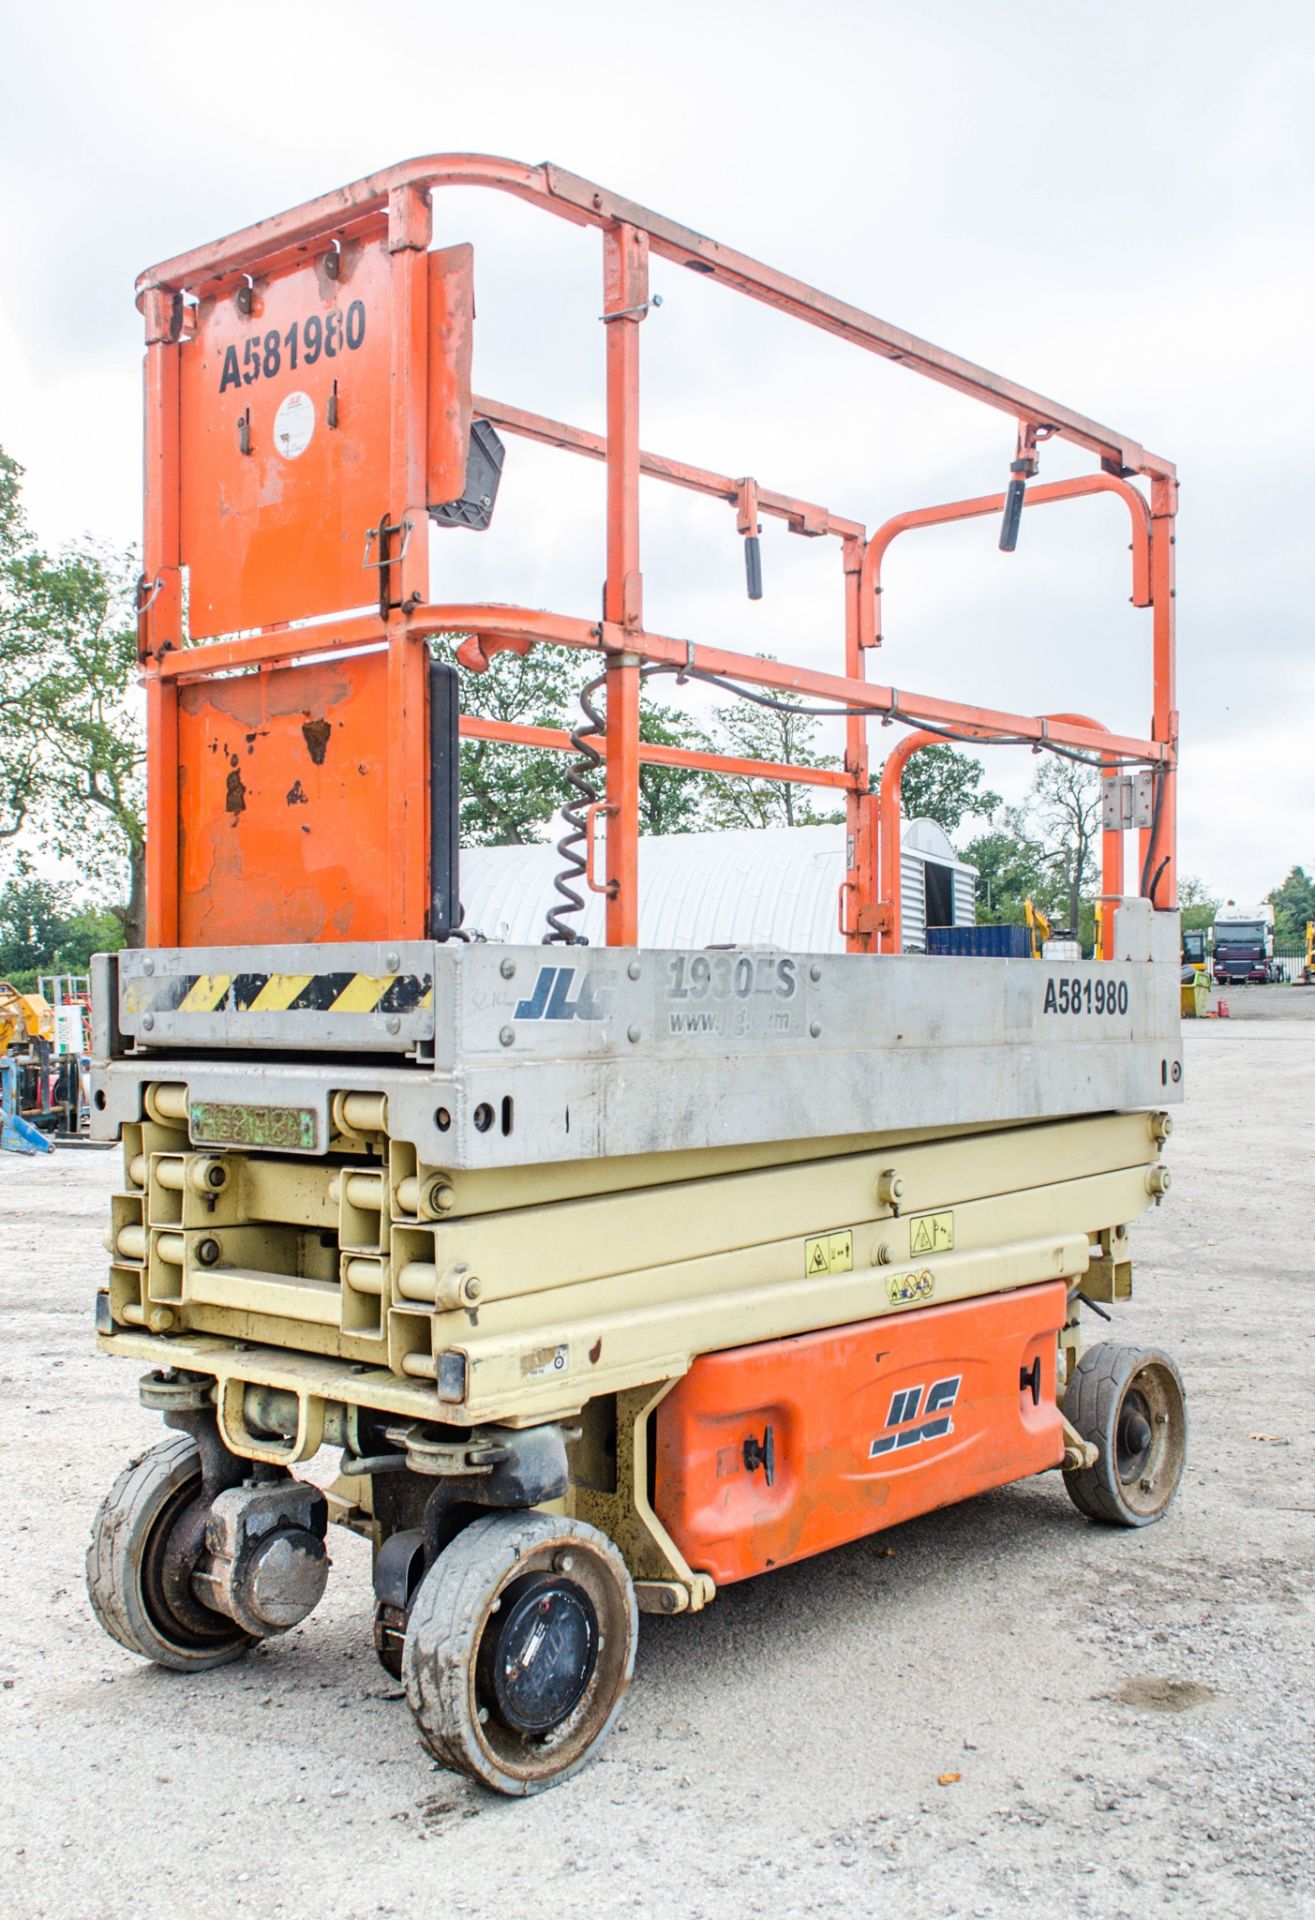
625 296
1159 843
410 228
160 625
860 847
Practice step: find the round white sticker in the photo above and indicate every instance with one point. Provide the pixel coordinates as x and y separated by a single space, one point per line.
294 423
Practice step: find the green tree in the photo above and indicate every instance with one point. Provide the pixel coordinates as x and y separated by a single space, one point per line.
1293 903
71 738
1011 869
19 751
743 730
43 931
1063 817
510 793
1196 904
90 930
34 925
944 785
671 799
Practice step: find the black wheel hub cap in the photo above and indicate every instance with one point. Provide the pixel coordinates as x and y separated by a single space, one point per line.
540 1653
1133 1437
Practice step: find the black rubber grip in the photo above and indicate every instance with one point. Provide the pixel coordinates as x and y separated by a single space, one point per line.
444 798
1013 514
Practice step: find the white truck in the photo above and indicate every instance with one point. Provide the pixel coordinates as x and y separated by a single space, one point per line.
1244 944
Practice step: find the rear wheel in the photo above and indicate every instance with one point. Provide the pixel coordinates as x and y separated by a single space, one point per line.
1129 1402
519 1646
144 1542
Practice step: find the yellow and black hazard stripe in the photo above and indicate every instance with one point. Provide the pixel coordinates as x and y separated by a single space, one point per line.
287 993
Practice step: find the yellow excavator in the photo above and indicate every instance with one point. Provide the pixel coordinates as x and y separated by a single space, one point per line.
24 1017
27 1035
1038 928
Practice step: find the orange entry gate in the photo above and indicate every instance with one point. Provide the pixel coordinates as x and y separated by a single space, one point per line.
769 1453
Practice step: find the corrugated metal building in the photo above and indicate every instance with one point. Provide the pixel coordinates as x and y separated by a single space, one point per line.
777 886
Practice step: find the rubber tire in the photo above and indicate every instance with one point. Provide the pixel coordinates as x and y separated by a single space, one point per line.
448 1616
121 1539
1096 1392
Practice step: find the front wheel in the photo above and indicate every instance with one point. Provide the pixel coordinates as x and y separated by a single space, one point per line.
1129 1402
140 1562
519 1646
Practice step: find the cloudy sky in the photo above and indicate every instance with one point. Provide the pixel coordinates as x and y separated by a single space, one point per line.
1109 202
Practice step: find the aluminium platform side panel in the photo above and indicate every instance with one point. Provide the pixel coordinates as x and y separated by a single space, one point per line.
610 1051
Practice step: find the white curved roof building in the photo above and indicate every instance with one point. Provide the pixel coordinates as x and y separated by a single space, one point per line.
777 886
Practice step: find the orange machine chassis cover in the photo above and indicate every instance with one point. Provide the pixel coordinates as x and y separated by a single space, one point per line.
861 1427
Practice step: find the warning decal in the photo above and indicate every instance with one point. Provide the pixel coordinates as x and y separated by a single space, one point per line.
903 1289
829 1253
294 423
931 1233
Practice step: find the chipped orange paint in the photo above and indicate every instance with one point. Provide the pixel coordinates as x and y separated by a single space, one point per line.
282 805
278 532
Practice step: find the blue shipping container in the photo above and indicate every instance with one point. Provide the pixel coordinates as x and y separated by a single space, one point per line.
981 943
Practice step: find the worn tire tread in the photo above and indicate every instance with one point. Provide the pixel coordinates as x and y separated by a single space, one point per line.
109 1577
134 1486
1097 1383
442 1629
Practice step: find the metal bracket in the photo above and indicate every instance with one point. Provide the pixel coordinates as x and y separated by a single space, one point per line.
428 1454
628 313
1127 800
148 594
165 1391
1077 1451
383 533
386 561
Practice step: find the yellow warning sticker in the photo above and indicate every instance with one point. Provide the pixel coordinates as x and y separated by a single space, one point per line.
904 1289
829 1253
931 1233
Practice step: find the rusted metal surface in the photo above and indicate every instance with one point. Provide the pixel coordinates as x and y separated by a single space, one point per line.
275 533
282 804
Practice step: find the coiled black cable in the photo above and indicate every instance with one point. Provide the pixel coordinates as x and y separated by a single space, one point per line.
573 845
587 795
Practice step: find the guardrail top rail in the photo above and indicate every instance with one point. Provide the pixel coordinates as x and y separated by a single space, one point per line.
309 404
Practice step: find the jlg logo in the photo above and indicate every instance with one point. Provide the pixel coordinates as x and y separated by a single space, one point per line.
905 1404
551 998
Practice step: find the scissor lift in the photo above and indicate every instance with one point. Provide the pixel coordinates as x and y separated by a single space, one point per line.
617 1275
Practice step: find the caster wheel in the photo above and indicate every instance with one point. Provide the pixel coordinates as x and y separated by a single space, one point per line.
519 1647
1129 1401
398 1570
389 1637
144 1541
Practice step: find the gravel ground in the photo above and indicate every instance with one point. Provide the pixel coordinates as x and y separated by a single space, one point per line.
1129 1715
